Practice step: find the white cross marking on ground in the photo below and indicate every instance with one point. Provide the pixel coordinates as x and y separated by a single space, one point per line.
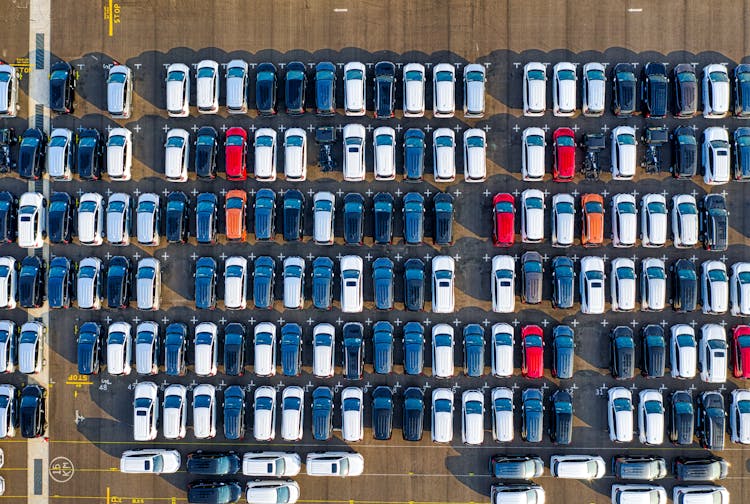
281 256
486 322
398 257
165 192
222 321
575 128
456 322
574 323
310 192
136 320
693 323
545 128
280 321
165 320
251 256
398 192
427 193
224 128
311 128
137 256
516 322
605 128
194 128
310 321
165 256
545 322
339 321
634 323
252 320
604 322
398 322
194 191
108 256
427 321
310 257
194 319
339 192
516 128
223 256
369 256
165 128
369 192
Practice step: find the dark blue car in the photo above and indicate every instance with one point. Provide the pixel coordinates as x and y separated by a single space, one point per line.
175 348
118 282
265 89
563 280
263 282
60 217
322 413
291 349
178 217
60 282
532 414
206 149
89 344
31 282
414 277
295 84
382 283
443 203
8 217
563 350
265 214
413 218
325 88
294 212
89 154
234 412
383 217
413 414
414 147
354 218
382 347
234 350
322 283
354 350
31 154
206 215
382 413
385 89
473 350
413 348
205 283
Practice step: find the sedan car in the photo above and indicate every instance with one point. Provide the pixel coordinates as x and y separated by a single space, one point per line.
533 164
564 89
715 91
564 162
504 216
623 284
715 157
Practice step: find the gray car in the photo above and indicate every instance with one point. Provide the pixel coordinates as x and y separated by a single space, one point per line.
532 271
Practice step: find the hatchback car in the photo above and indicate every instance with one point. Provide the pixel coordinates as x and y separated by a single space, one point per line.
355 89
739 416
8 90
31 282
623 284
30 341
502 413
475 155
653 284
444 155
206 348
293 214
442 351
533 155
442 415
385 89
206 152
265 89
178 90
146 411
653 220
177 217
532 415
713 224
564 162
715 157
234 349
175 348
564 89
713 354
237 80
324 344
650 417
532 216
31 154
686 90
593 89
89 283
8 218
148 284
295 85
620 414
714 287
119 219
119 275
503 284
561 419
352 414
32 411
715 91
264 349
741 351
266 150
354 152
204 411
683 351
684 221
681 418
414 90
62 87
592 285
532 276
90 151
32 220
710 424
623 153
148 219
623 90
622 345
8 411
60 283
60 154
534 89
292 413
354 350
740 289
176 155
207 87
324 207
563 282
504 216
351 284
295 155
684 153
443 279
120 91
563 220
472 417
235 208
8 280
654 90
624 220
592 215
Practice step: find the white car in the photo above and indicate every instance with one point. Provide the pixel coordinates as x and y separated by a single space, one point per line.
148 284
713 354
355 89
150 460
443 280
147 219
272 492
715 91
8 340
534 89
714 287
740 289
119 154
147 348
384 153
271 463
30 354
623 153
174 414
176 155
650 417
563 219
292 413
532 216
264 423
442 415
444 155
91 219
475 155
237 79
119 211
443 342
295 155
341 464
8 279
564 83
207 87
352 414
715 156
204 411
533 161
119 91
739 416
624 220
592 285
444 90
294 282
235 283
623 284
324 208
620 414
653 220
502 414
60 154
503 284
264 348
324 345
653 284
472 417
265 154
354 153
684 221
178 90
710 494
502 350
146 411
682 351
206 346
594 89
89 283
8 398
119 348
8 91
652 494
32 220
414 90
351 284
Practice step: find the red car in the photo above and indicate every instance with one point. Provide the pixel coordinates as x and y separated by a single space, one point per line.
504 212
235 153
564 140
741 351
532 350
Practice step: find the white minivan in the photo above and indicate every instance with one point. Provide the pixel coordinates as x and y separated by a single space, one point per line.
332 463
119 91
582 467
178 90
414 90
150 460
352 414
207 87
442 415
295 155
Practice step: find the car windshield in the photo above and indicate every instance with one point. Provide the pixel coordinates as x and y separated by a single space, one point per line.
720 144
566 141
653 407
444 77
236 72
323 206
743 406
354 75
116 141
626 139
686 139
292 403
717 275
235 204
146 207
266 76
687 209
176 75
655 272
563 407
566 75
595 75
686 77
533 341
473 408
383 140
175 141
504 207
205 140
443 340
87 272
534 203
294 141
4 400
116 206
58 75
565 208
264 141
594 275
535 140
57 271
657 207
622 404
626 207
205 72
118 77
594 207
88 142
29 271
116 271
626 76
205 207
503 273
58 141
146 273
444 141
536 75
202 401
235 140
234 271
744 277
718 77
295 75
685 340
30 142
296 271
172 401
533 266
503 405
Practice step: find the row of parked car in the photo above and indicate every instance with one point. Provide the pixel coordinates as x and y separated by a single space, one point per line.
691 220
25 408
654 90
529 493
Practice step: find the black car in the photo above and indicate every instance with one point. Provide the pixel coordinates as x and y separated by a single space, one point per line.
413 414
714 226
60 217
685 290
325 88
561 419
414 277
8 139
33 411
206 149
624 90
742 90
681 418
291 349
294 87
213 463
31 154
741 152
213 492
684 153
60 282
385 89
654 349
382 413
294 213
206 274
89 154
654 90
89 348
265 214
206 217
563 351
62 87
383 218
8 217
563 280
443 232
234 349
31 282
354 218
178 217
354 350
265 89
175 348
414 147
685 90
118 282
623 353
710 422
322 283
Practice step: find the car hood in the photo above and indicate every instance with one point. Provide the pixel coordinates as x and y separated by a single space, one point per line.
143 358
720 295
292 291
744 298
115 359
628 227
474 428
322 226
659 228
627 159
476 160
145 292
264 160
657 288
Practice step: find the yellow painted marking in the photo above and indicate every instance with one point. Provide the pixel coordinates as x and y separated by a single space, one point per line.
78 380
75 394
107 495
111 21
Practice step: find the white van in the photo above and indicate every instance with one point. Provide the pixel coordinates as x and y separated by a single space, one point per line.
119 154
271 463
583 467
474 82
352 414
178 90
237 79
333 463
150 460
119 91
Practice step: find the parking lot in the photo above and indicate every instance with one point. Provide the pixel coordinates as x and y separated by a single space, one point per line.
90 417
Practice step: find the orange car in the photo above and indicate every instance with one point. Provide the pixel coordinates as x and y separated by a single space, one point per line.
592 232
235 205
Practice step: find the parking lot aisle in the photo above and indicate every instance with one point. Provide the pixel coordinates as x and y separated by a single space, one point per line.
39 62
